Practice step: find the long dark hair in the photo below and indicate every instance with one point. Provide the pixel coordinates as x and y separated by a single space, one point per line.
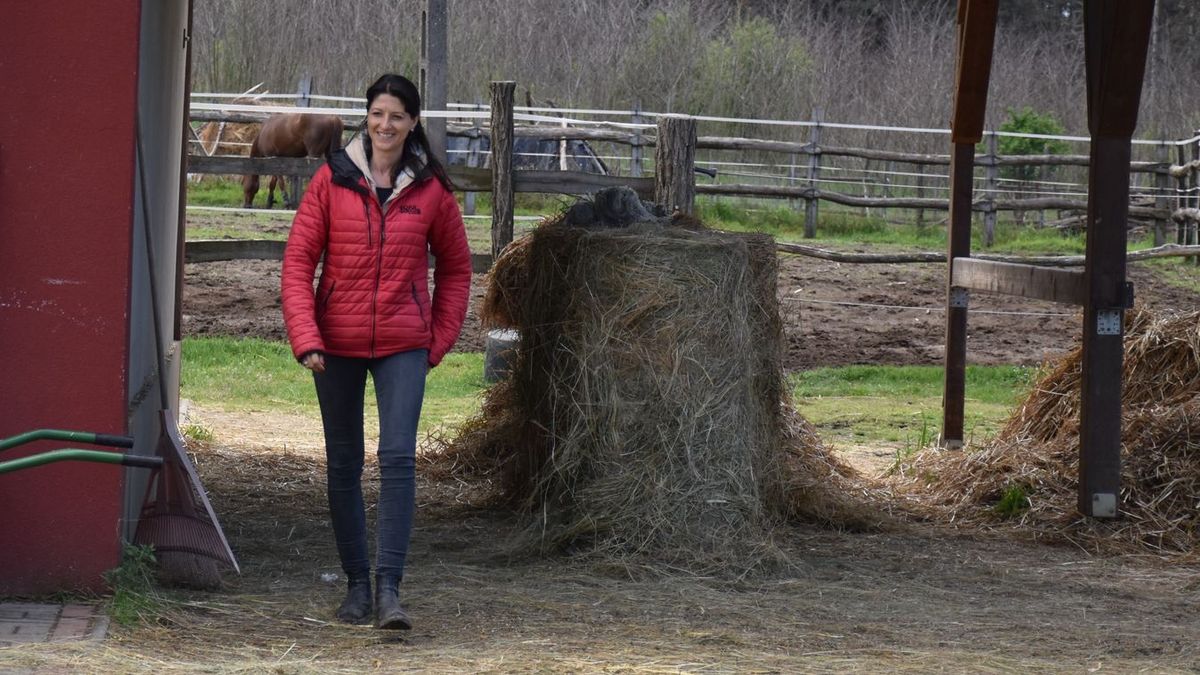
403 88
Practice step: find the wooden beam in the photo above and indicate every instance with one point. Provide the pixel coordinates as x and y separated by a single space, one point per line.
674 163
1116 37
503 195
958 249
433 72
976 37
1026 281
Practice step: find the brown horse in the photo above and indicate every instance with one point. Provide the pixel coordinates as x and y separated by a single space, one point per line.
291 135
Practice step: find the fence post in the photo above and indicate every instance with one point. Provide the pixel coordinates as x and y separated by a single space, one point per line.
1161 185
674 163
474 145
888 169
1181 193
503 196
989 213
303 100
791 179
1194 197
635 148
434 65
920 194
814 172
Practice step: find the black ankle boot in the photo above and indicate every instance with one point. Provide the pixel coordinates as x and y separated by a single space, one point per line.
388 612
356 608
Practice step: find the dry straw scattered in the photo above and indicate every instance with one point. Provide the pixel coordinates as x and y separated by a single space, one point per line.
1035 458
647 416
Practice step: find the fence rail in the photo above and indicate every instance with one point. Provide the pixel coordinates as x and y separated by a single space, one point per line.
887 180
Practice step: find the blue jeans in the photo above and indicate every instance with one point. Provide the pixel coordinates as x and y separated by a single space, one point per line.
399 389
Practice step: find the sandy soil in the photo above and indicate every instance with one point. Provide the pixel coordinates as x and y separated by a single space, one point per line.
916 597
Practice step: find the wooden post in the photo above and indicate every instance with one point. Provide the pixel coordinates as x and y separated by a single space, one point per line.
962 172
993 185
1181 193
303 100
920 195
1162 183
976 23
503 196
814 172
434 66
791 179
1116 38
674 163
474 155
1194 202
888 169
635 149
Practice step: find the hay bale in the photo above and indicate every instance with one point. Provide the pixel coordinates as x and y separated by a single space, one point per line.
647 414
1037 452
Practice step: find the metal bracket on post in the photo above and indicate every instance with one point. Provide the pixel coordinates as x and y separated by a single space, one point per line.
1104 505
959 297
1108 321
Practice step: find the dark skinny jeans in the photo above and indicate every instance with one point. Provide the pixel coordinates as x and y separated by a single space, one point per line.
399 389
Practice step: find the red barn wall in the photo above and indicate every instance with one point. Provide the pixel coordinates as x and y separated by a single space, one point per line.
69 71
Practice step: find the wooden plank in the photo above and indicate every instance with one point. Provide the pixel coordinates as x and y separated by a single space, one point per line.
976 37
264 166
674 163
503 196
1026 281
577 182
213 250
958 248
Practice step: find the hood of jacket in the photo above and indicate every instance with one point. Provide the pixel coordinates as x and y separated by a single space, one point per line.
351 169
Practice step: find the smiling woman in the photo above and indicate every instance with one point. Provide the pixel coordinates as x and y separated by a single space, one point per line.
373 214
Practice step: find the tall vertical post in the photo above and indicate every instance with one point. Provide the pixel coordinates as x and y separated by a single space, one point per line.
1162 183
503 194
474 146
962 175
674 163
814 172
635 149
976 37
992 173
433 75
920 194
303 100
1116 39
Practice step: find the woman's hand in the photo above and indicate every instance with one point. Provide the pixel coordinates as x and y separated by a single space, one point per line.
315 361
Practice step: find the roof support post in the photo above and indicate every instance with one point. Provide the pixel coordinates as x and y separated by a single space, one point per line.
1116 37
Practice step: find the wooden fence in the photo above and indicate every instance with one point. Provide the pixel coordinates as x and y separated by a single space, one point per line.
1168 199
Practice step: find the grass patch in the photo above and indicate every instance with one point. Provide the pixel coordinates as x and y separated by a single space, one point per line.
250 374
901 406
134 597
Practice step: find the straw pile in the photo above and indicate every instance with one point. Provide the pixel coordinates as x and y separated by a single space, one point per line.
1036 455
646 414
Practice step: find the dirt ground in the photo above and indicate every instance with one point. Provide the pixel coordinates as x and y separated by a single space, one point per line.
835 314
915 597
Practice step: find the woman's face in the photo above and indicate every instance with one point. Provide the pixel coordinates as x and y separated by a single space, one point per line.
388 123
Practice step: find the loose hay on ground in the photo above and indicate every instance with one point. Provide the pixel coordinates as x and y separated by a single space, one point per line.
1036 455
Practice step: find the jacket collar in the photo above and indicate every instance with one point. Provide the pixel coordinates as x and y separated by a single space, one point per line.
351 168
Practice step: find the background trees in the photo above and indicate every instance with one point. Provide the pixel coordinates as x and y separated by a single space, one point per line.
873 61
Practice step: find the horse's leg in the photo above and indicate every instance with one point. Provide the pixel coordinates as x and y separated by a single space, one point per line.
283 192
249 189
271 191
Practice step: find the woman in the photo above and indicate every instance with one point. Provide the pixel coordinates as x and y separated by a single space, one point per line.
375 212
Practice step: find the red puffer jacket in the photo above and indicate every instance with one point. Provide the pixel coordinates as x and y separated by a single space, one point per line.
372 299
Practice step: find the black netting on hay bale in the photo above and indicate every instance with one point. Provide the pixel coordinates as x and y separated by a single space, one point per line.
647 410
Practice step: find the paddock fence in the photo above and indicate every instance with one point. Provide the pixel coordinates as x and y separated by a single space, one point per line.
895 174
